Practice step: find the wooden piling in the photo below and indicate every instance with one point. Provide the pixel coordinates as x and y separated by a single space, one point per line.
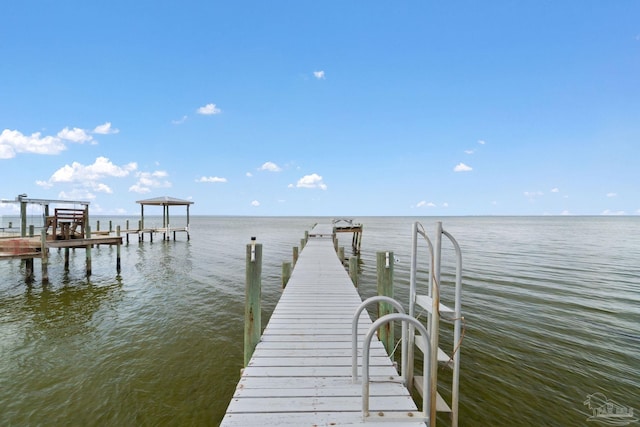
45 257
353 270
341 254
66 259
286 273
117 249
252 309
295 255
384 263
88 233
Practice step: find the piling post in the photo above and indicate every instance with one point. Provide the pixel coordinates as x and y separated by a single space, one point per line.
98 225
384 263
88 251
306 236
118 250
295 255
302 243
286 273
341 254
66 259
353 270
252 308
110 226
45 257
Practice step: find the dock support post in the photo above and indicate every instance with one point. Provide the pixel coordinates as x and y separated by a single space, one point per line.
341 254
66 259
295 255
384 263
252 308
88 252
118 251
45 257
353 270
302 243
110 226
286 273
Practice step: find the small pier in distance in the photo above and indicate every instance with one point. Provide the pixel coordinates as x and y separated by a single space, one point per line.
301 372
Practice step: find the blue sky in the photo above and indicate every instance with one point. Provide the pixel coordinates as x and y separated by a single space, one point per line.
323 108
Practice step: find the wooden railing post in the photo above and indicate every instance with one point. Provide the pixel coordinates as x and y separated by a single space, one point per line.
252 308
384 262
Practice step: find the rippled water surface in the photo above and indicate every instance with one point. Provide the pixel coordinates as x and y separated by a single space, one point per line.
551 304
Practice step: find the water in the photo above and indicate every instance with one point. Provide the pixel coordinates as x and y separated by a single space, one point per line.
551 306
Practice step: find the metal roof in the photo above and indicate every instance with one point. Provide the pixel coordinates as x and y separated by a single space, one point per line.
165 201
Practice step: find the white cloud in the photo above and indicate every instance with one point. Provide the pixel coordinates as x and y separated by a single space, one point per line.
209 110
481 142
270 167
461 167
44 184
612 194
211 179
319 75
255 203
533 194
75 135
311 181
469 151
179 121
610 212
105 129
13 142
249 175
149 180
445 205
77 194
555 190
424 203
102 167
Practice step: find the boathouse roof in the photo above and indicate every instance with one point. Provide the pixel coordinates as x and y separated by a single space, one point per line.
165 201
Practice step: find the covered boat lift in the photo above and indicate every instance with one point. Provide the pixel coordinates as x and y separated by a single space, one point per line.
165 202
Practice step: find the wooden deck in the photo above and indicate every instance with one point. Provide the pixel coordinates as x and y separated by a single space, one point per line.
300 372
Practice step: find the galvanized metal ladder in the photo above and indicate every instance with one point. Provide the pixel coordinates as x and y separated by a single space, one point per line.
431 305
416 334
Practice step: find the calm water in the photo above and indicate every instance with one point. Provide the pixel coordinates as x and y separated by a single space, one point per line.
552 309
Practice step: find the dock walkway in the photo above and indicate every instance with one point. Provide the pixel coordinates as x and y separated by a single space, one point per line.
300 372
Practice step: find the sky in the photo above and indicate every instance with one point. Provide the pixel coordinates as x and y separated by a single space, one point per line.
332 108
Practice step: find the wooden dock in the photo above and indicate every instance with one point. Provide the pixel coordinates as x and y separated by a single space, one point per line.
300 373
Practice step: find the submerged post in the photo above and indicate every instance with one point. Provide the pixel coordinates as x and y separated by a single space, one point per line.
384 262
252 308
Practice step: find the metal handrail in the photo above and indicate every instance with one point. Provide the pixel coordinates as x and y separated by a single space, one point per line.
426 398
354 336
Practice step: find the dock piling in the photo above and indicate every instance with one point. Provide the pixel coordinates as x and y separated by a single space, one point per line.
384 263
252 310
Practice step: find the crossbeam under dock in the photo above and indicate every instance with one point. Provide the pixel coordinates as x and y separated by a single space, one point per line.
300 373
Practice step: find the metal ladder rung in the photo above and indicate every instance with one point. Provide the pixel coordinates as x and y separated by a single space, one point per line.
426 302
442 356
441 405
